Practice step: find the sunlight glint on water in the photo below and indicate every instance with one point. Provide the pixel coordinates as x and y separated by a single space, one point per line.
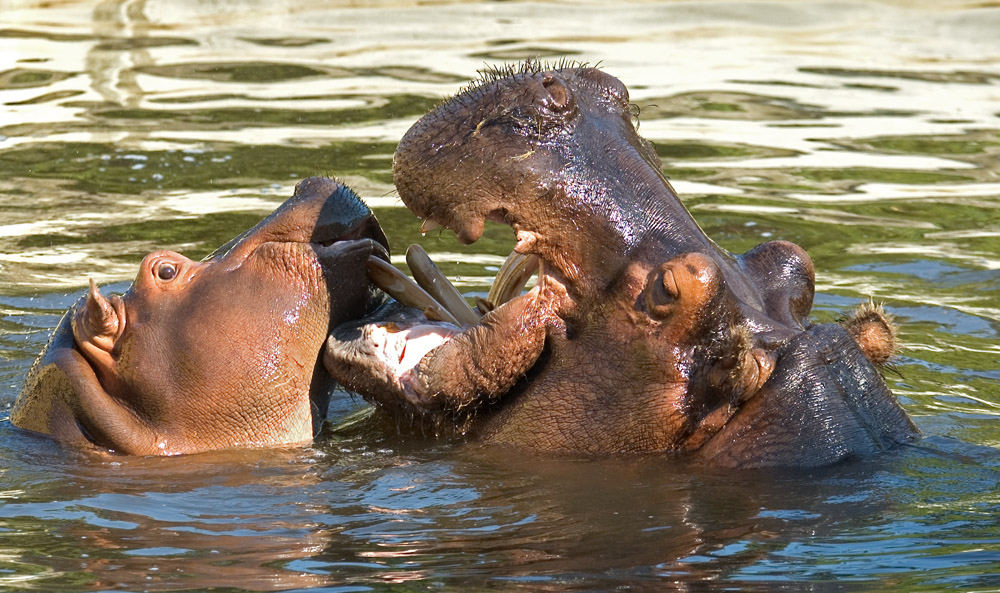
867 132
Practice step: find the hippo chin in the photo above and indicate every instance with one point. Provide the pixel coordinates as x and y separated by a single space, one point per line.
642 335
213 354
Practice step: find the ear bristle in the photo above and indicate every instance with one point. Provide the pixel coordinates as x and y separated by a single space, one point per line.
874 330
490 74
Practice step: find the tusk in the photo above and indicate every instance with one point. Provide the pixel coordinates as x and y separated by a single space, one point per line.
515 272
431 279
400 287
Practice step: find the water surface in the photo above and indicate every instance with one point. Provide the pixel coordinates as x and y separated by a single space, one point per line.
867 132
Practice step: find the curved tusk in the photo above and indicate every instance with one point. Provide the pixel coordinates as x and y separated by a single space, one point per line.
433 280
400 287
515 272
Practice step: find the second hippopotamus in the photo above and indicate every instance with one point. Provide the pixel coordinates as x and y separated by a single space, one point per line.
213 354
642 335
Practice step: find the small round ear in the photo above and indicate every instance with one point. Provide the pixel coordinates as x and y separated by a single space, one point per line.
96 321
96 327
682 286
557 98
874 331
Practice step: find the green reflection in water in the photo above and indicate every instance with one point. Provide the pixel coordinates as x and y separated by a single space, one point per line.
131 43
257 72
286 41
778 182
701 149
47 97
746 107
21 78
239 71
523 53
202 231
872 175
727 105
376 109
974 143
104 168
962 77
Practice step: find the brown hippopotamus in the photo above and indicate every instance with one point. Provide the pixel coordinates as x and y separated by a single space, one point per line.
642 335
212 354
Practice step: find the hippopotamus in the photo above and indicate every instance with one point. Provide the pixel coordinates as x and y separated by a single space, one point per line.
642 335
214 354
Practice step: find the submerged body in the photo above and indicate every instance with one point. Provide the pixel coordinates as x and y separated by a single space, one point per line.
213 354
642 335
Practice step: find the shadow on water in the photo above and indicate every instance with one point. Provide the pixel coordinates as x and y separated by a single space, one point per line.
866 132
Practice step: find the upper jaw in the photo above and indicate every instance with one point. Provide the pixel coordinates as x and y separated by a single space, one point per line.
366 228
558 280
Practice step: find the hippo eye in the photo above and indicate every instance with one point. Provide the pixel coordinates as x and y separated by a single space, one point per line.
166 271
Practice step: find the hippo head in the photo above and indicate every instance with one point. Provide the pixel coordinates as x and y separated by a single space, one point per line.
212 354
554 154
642 334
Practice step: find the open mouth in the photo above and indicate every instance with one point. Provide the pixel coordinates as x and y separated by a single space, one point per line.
433 312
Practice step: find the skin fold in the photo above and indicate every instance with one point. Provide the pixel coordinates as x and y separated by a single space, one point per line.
213 354
642 335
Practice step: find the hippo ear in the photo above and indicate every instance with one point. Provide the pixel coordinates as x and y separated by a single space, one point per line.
557 97
96 321
874 331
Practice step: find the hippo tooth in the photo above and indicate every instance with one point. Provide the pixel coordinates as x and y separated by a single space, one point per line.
400 287
515 272
433 280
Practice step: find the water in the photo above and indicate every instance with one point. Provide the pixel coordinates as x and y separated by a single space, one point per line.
867 132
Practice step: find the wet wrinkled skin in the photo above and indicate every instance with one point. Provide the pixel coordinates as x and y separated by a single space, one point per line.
642 335
213 354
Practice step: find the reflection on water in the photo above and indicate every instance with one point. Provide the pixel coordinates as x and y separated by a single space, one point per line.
867 132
